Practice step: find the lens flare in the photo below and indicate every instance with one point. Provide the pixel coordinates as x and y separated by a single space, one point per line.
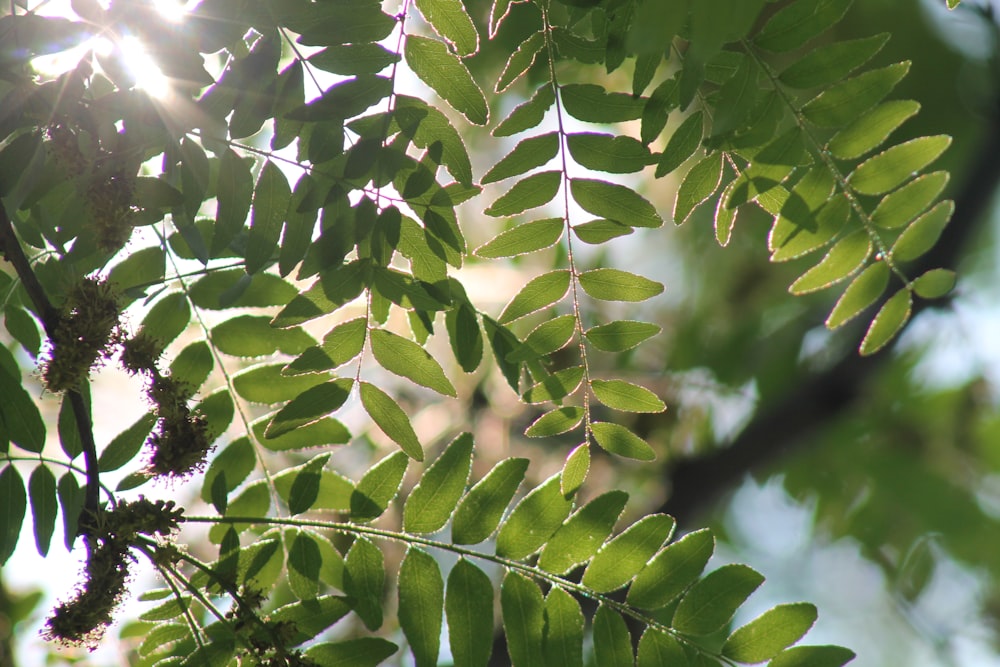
147 73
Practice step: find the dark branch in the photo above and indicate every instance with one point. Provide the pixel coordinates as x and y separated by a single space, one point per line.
10 246
696 484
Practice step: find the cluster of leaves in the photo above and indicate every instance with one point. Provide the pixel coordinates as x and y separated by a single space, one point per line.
373 224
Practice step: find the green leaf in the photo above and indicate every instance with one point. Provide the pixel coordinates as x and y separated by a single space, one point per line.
447 76
528 154
309 406
468 605
305 485
596 232
523 239
657 648
254 500
579 538
614 202
23 328
615 154
548 337
126 445
432 501
364 579
69 434
233 192
530 192
533 520
540 292
892 166
42 495
465 336
621 559
235 289
361 652
71 499
813 656
378 487
450 20
432 129
520 61
806 231
389 417
407 359
620 335
870 130
921 235
770 633
333 492
350 59
345 99
619 440
846 256
502 342
622 395
270 204
888 322
311 617
698 185
575 469
797 23
681 145
671 571
612 642
523 610
832 62
591 103
421 603
527 114
478 514
303 565
900 207
19 415
842 102
860 294
712 602
934 283
266 384
227 471
555 422
253 336
563 638
617 285
556 386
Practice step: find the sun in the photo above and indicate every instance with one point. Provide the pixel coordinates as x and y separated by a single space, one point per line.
148 75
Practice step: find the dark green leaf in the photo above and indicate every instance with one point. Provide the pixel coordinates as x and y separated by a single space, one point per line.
556 386
434 129
681 145
520 61
227 471
528 154
235 289
71 499
361 652
540 292
353 59
607 152
698 185
533 520
233 192
421 602
579 538
813 656
614 202
13 505
19 415
378 487
23 328
305 485
253 336
468 604
563 639
657 648
42 495
841 103
770 633
479 512
587 102
530 192
270 204
364 579
345 99
389 417
546 338
450 20
797 23
527 114
523 620
432 501
309 406
303 565
617 285
619 440
266 384
447 76
711 602
407 359
124 447
620 335
620 559
671 571
311 617
832 62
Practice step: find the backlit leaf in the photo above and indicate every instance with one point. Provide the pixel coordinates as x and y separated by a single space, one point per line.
270 203
546 338
533 520
579 538
530 192
126 445
711 602
770 633
520 61
523 610
233 193
921 235
934 283
681 145
556 386
447 76
253 336
468 604
832 62
870 130
620 335
618 285
621 559
341 344
529 237
789 240
891 318
622 395
575 469
698 185
612 642
842 102
42 496
619 440
389 417
364 579
407 359
797 23
671 571
813 656
478 513
554 422
349 59
614 202
309 406
588 102
528 154
846 256
608 152
657 648
892 166
378 487
527 114
432 501
563 638
901 206
421 603
863 291
540 292
450 20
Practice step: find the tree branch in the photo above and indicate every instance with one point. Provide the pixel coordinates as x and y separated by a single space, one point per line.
10 246
697 484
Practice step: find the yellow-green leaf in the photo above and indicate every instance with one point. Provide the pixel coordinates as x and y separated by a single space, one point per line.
389 417
921 235
891 318
870 130
892 166
846 256
447 76
407 359
863 291
618 285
